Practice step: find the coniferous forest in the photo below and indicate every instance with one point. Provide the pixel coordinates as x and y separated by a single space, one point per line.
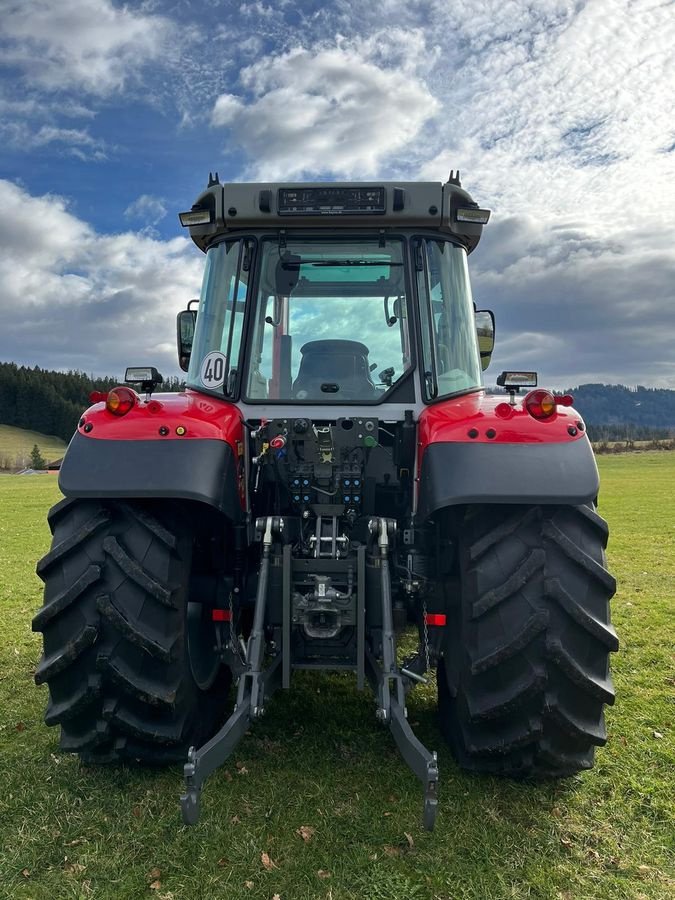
52 403
616 413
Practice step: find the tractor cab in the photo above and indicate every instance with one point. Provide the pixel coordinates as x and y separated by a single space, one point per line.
342 311
325 304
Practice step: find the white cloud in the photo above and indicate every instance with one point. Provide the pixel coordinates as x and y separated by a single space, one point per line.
73 298
147 209
90 45
226 109
559 114
257 9
77 142
575 307
341 109
562 111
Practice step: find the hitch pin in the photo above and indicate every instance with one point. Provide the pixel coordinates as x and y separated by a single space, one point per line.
420 679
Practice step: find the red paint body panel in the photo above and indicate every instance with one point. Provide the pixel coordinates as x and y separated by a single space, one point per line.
202 417
452 420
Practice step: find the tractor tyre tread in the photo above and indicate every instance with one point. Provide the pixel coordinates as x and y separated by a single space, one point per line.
114 630
525 673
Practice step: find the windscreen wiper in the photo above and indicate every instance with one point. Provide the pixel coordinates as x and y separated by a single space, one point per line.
334 263
338 263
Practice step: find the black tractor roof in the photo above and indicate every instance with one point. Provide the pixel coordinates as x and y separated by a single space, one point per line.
335 206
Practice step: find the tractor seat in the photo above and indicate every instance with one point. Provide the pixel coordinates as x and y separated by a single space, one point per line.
340 363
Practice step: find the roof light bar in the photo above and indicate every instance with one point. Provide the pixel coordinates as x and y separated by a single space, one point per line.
195 217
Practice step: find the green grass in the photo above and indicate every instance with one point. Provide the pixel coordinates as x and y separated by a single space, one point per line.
320 760
17 443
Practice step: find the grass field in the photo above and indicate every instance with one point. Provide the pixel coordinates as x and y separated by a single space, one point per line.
319 760
17 443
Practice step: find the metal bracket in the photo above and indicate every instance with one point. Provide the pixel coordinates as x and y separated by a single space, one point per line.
389 683
423 762
255 684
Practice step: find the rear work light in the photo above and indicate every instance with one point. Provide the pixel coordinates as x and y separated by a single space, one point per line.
195 217
516 380
474 215
120 401
540 404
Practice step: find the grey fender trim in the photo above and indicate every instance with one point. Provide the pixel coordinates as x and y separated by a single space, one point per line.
194 469
453 473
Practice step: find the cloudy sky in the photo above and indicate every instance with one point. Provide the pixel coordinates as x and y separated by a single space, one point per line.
559 114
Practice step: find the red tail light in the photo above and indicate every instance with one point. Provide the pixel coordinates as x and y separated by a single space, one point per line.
221 615
120 401
98 397
504 410
436 619
540 404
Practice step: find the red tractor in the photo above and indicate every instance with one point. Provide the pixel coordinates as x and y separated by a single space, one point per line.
333 471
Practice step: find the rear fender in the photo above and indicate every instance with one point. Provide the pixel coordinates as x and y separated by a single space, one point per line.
475 449
176 446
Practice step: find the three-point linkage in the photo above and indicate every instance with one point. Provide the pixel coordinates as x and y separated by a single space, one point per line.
374 657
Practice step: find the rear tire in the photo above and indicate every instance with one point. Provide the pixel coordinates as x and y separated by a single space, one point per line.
525 669
114 624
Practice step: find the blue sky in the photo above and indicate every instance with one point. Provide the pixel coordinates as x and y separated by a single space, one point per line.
560 116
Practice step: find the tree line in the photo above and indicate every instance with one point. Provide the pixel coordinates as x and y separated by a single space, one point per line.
51 402
615 412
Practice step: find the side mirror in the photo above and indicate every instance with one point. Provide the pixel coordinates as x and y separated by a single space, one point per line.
185 322
485 328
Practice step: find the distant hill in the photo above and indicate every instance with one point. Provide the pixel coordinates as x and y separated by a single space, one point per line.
50 402
16 445
615 412
44 401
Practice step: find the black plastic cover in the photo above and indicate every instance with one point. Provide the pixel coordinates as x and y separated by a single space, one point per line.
452 473
331 200
195 469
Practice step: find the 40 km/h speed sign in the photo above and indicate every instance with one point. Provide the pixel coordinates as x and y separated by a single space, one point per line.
212 372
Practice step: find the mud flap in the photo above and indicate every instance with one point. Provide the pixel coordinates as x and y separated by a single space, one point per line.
526 474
